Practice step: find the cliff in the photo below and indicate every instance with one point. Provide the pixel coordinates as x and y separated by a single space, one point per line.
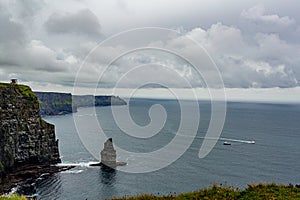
25 138
90 100
53 103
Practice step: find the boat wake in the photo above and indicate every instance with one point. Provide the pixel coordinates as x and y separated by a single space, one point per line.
229 140
223 139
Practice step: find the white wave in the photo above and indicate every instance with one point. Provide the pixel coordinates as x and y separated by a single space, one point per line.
12 191
72 171
79 164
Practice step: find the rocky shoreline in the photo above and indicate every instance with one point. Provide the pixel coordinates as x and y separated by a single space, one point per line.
27 175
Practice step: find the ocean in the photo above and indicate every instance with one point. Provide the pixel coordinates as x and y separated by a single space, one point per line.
274 157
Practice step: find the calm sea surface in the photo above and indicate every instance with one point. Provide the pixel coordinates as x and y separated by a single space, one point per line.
273 158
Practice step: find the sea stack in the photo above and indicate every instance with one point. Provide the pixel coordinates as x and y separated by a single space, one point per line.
108 154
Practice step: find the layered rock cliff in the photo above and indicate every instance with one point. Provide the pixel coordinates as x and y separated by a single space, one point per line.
25 138
90 100
54 103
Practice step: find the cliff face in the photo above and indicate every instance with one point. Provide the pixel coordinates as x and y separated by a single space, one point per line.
53 103
25 138
90 100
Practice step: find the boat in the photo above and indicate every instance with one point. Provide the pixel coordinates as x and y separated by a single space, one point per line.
226 143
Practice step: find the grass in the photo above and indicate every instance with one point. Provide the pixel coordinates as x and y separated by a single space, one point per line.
26 91
258 191
23 89
13 197
253 191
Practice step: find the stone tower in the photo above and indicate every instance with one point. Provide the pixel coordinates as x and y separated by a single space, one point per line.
108 154
14 81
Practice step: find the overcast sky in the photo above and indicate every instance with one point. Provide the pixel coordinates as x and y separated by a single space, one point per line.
255 44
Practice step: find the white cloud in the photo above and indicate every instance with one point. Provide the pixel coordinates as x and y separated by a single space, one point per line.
262 60
258 14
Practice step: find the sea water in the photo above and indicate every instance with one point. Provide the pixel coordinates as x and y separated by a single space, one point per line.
274 157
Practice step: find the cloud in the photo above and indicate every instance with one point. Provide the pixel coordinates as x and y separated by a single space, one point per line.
247 73
258 14
259 60
26 58
27 8
219 38
83 22
11 31
257 51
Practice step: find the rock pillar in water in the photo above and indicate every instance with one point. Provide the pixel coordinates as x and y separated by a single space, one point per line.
108 154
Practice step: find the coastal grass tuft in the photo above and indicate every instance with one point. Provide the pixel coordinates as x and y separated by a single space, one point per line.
26 91
23 89
13 197
252 191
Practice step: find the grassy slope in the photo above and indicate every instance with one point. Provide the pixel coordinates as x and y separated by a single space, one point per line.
260 191
23 89
13 197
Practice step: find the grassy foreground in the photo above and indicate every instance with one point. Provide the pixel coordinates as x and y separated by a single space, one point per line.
257 191
253 191
13 197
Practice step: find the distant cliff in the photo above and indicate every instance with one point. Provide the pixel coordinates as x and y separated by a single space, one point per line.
90 100
52 103
25 138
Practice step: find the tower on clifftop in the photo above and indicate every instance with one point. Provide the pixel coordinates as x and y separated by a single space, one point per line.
14 81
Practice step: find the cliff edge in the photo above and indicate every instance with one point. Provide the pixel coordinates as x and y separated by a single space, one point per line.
25 138
54 103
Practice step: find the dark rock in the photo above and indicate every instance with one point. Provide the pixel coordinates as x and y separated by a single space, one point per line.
27 188
27 175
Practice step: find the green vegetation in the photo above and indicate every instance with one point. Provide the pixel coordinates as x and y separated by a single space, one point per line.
22 89
53 103
253 191
13 197
26 91
258 191
4 85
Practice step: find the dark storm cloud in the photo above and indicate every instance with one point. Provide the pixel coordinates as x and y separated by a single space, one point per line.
82 22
